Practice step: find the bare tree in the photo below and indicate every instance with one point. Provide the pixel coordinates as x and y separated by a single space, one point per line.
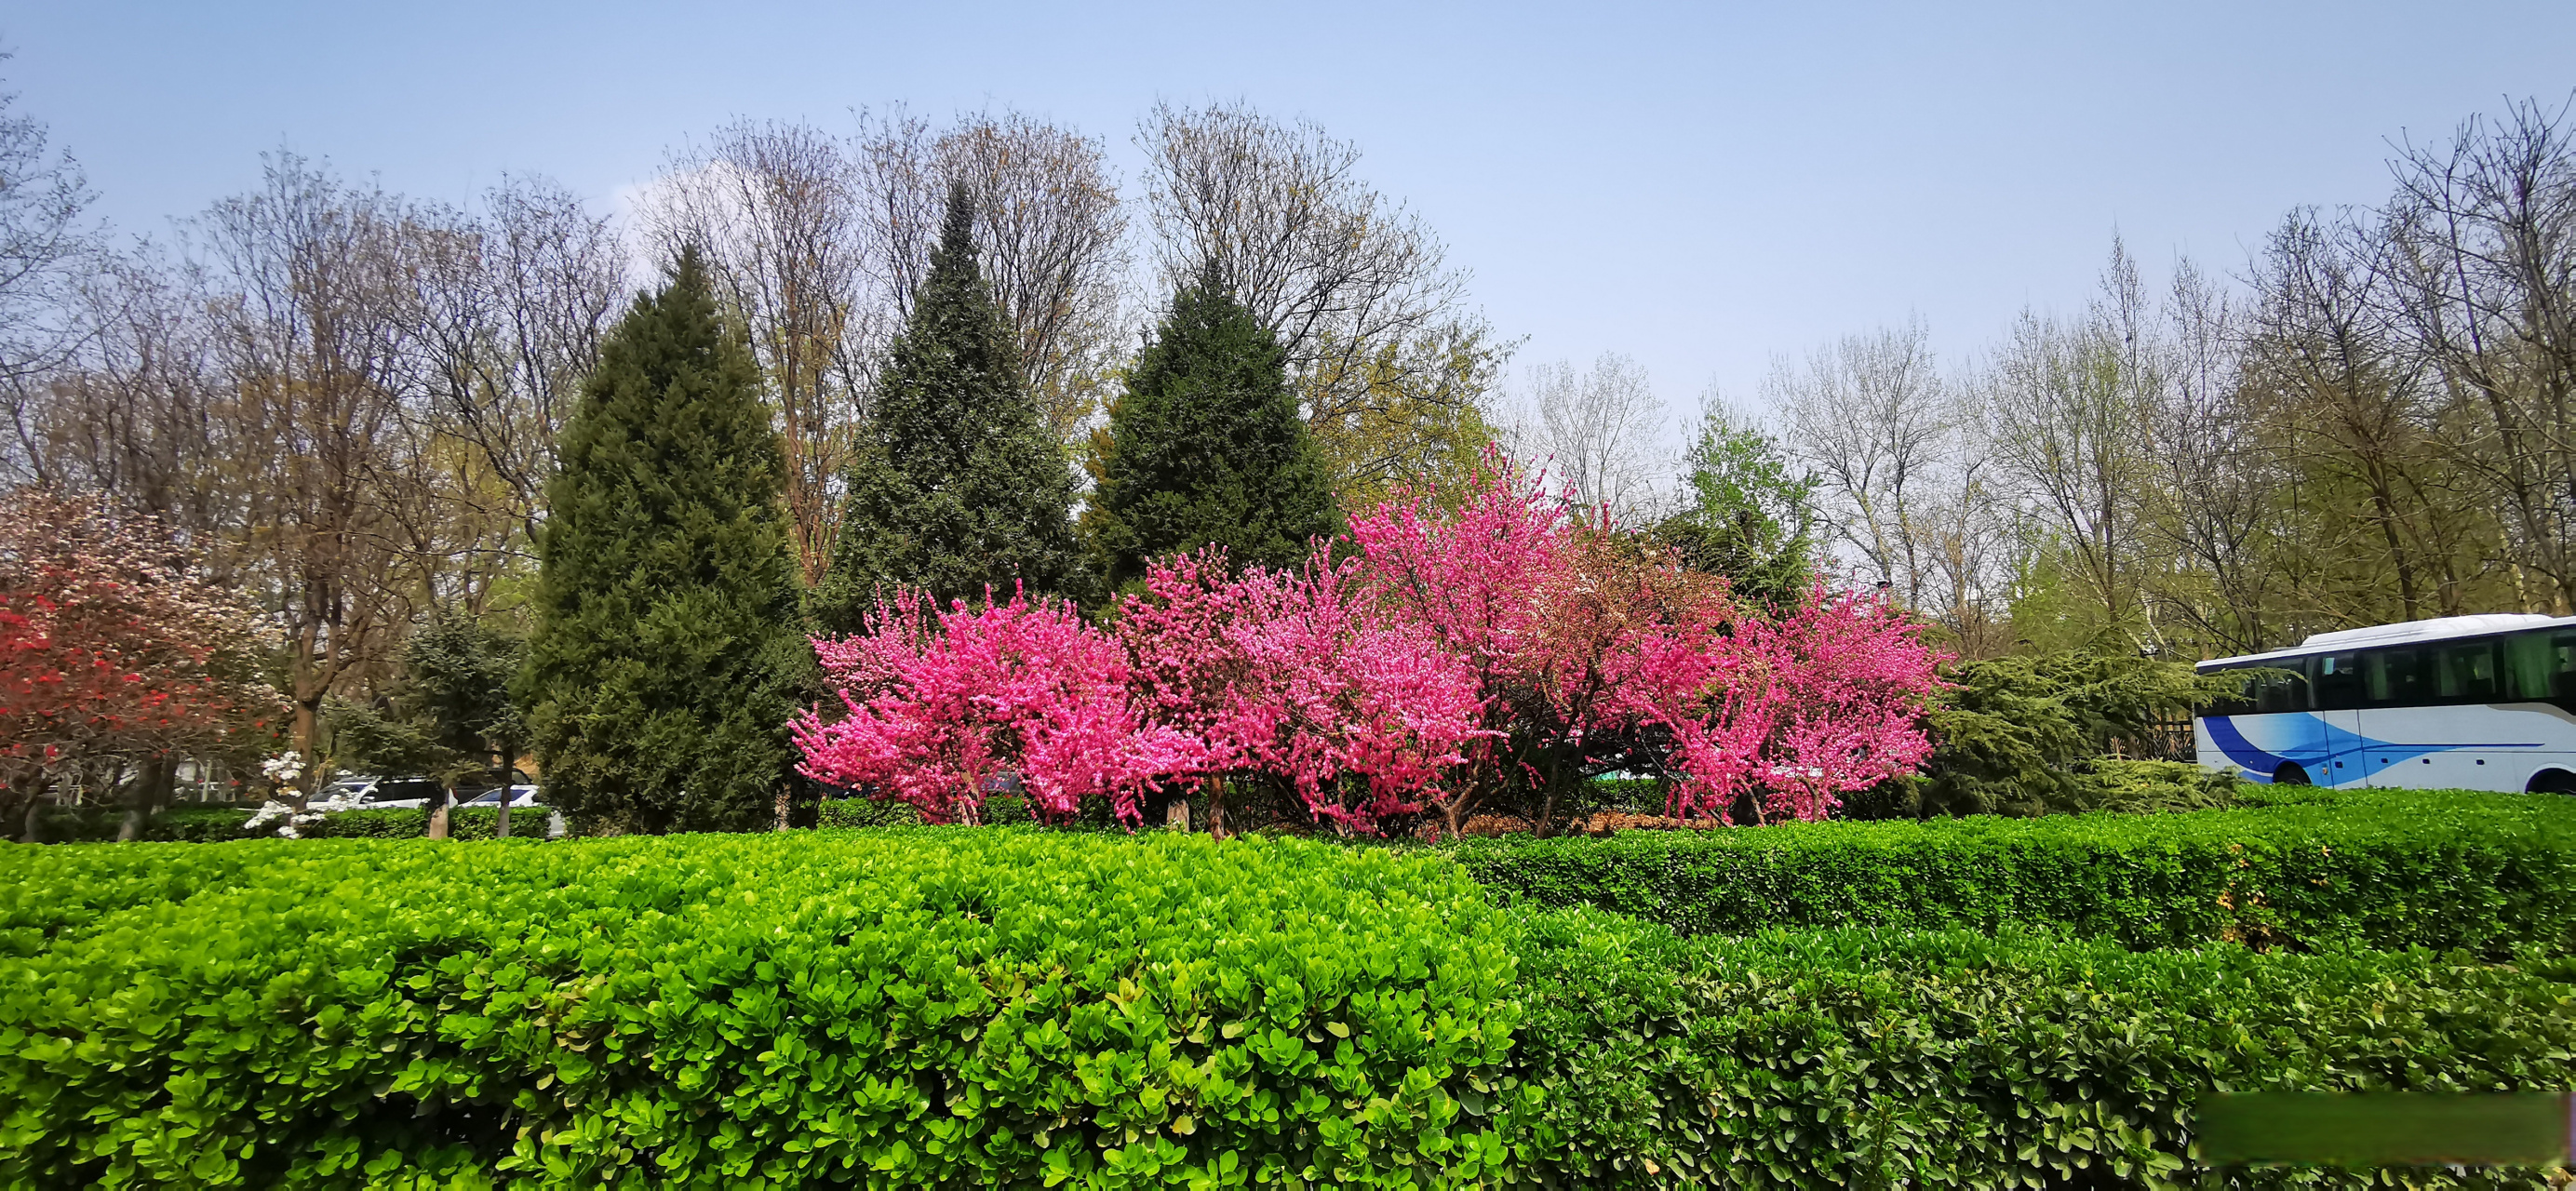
2357 411
1049 235
2217 483
1870 416
776 210
43 244
1372 318
2480 253
308 282
1595 433
2071 416
511 308
131 413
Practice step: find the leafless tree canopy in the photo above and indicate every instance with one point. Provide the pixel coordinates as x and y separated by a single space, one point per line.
1597 434
512 307
1360 293
1049 233
43 243
2479 251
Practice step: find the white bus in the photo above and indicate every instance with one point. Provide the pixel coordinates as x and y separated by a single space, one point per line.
2463 702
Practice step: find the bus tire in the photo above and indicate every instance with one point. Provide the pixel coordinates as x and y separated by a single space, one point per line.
2291 773
2552 781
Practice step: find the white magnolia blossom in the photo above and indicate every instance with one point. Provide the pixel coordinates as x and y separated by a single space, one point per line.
270 812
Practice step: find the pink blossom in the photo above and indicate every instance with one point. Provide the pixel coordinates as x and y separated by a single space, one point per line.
943 704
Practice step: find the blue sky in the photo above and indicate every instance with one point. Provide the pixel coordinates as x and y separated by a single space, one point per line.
1702 187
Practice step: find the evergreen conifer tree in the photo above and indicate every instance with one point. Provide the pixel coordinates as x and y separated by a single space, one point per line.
959 485
665 662
1206 446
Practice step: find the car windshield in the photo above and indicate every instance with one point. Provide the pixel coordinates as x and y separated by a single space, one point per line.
344 789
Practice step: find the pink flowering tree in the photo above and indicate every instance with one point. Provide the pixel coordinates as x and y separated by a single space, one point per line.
116 650
1822 701
1593 652
1300 678
940 705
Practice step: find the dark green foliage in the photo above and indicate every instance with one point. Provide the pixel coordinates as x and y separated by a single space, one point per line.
457 676
665 663
1206 446
2107 784
1859 1058
958 485
464 823
2379 868
1000 810
366 738
911 1007
1752 515
184 822
2009 736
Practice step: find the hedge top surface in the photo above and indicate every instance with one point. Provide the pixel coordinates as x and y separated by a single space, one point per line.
594 1007
2386 868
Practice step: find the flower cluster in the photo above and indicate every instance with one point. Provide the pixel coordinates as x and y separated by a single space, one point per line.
943 705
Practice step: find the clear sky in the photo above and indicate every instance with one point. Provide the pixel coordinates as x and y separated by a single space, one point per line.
1700 186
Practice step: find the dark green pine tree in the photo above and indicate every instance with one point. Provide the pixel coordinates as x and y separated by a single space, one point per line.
958 485
666 661
1206 446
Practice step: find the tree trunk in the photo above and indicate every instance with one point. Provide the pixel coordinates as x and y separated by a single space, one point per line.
501 825
307 721
1176 814
35 806
438 816
1216 808
782 806
150 792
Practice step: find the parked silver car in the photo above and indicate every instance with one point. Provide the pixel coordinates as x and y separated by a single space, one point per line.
520 796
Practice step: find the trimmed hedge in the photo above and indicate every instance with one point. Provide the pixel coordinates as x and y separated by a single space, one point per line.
1948 1059
2387 869
896 1008
187 823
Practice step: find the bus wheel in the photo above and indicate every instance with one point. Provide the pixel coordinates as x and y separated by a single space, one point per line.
2552 781
2290 774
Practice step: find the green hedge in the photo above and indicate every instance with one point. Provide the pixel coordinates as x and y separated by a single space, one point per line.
2376 868
899 1008
1948 1059
186 823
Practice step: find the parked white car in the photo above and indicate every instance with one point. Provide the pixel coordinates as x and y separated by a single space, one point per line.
368 792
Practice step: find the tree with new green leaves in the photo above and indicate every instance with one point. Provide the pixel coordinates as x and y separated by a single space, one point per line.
666 663
1206 447
1752 514
959 486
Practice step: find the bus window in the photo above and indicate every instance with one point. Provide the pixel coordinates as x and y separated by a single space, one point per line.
2283 692
2465 672
2392 677
2338 682
2541 665
2240 705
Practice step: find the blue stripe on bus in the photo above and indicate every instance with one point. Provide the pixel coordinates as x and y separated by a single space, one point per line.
2231 741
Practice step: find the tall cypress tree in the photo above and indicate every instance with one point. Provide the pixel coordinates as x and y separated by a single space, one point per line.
665 662
959 485
1206 446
